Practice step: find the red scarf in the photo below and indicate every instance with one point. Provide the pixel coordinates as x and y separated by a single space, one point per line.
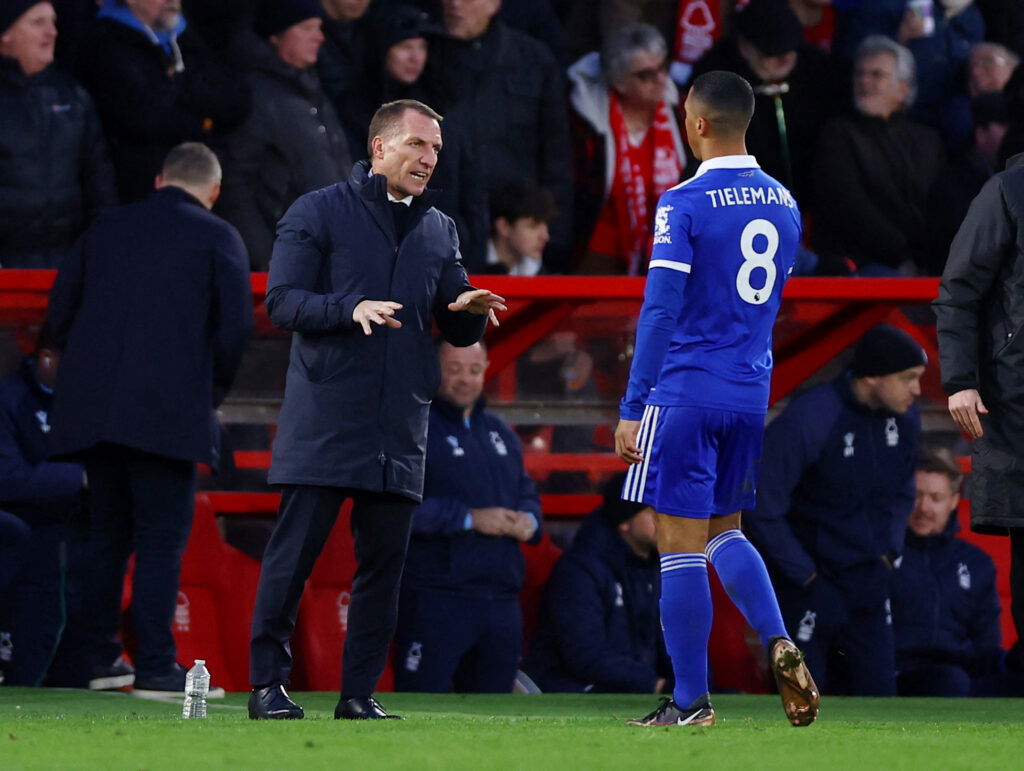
631 183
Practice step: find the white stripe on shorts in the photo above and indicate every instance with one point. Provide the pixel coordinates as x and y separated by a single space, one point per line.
632 476
647 454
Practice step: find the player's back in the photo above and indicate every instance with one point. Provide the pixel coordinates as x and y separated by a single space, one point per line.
741 229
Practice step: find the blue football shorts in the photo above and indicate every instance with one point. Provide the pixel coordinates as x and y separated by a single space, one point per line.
698 462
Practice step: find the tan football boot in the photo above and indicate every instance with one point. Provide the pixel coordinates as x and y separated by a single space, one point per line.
796 686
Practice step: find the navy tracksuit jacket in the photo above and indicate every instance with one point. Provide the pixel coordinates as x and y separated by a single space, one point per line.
600 624
945 609
836 488
42 605
474 466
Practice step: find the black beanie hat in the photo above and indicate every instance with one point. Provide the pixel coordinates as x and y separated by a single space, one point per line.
401 22
771 26
614 510
275 16
11 11
885 350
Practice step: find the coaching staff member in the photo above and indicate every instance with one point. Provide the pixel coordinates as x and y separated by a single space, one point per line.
152 308
980 319
357 272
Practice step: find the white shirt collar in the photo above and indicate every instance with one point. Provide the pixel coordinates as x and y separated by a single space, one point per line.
407 200
728 162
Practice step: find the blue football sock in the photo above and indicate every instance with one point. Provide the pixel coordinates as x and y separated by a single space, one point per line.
745 579
686 620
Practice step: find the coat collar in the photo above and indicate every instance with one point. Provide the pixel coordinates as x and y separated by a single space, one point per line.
373 189
176 194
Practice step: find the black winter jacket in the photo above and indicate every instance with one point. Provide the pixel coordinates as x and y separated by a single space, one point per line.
872 178
511 104
292 143
600 625
55 174
147 108
356 406
980 322
945 608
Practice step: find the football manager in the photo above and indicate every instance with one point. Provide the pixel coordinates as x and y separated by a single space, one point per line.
358 271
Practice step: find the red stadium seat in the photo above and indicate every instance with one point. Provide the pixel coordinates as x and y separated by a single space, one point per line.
215 601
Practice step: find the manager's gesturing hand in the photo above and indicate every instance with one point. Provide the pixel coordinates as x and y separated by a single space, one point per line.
479 301
380 312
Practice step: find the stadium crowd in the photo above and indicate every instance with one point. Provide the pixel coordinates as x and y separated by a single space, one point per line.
563 124
882 122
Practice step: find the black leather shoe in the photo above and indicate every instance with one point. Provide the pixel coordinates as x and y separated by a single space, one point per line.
273 703
362 708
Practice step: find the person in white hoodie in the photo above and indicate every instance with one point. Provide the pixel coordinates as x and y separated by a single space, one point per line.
628 148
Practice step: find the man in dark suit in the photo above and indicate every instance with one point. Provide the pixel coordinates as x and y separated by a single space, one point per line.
152 309
358 272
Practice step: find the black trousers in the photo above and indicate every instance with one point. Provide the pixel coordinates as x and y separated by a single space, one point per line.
142 503
380 523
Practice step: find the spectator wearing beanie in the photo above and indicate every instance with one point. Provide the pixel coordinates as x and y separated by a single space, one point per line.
398 66
836 489
795 89
156 84
292 142
55 174
345 62
600 627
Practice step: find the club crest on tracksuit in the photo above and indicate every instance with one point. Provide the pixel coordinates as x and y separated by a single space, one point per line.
457 450
848 442
892 432
44 421
964 575
499 443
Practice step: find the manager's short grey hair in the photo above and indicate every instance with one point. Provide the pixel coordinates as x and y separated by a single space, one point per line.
906 69
623 44
193 164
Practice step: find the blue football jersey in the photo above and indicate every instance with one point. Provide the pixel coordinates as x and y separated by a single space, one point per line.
724 245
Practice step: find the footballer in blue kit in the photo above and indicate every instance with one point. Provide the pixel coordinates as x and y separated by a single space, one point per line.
692 420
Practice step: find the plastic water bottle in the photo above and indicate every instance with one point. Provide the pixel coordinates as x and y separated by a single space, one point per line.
197 687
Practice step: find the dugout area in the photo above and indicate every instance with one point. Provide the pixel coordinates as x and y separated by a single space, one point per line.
52 729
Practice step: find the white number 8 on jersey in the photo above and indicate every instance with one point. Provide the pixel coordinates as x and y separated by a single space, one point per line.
754 259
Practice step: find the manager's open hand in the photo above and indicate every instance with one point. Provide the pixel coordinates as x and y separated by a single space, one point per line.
479 301
380 312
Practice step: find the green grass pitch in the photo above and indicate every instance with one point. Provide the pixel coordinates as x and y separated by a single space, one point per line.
50 729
